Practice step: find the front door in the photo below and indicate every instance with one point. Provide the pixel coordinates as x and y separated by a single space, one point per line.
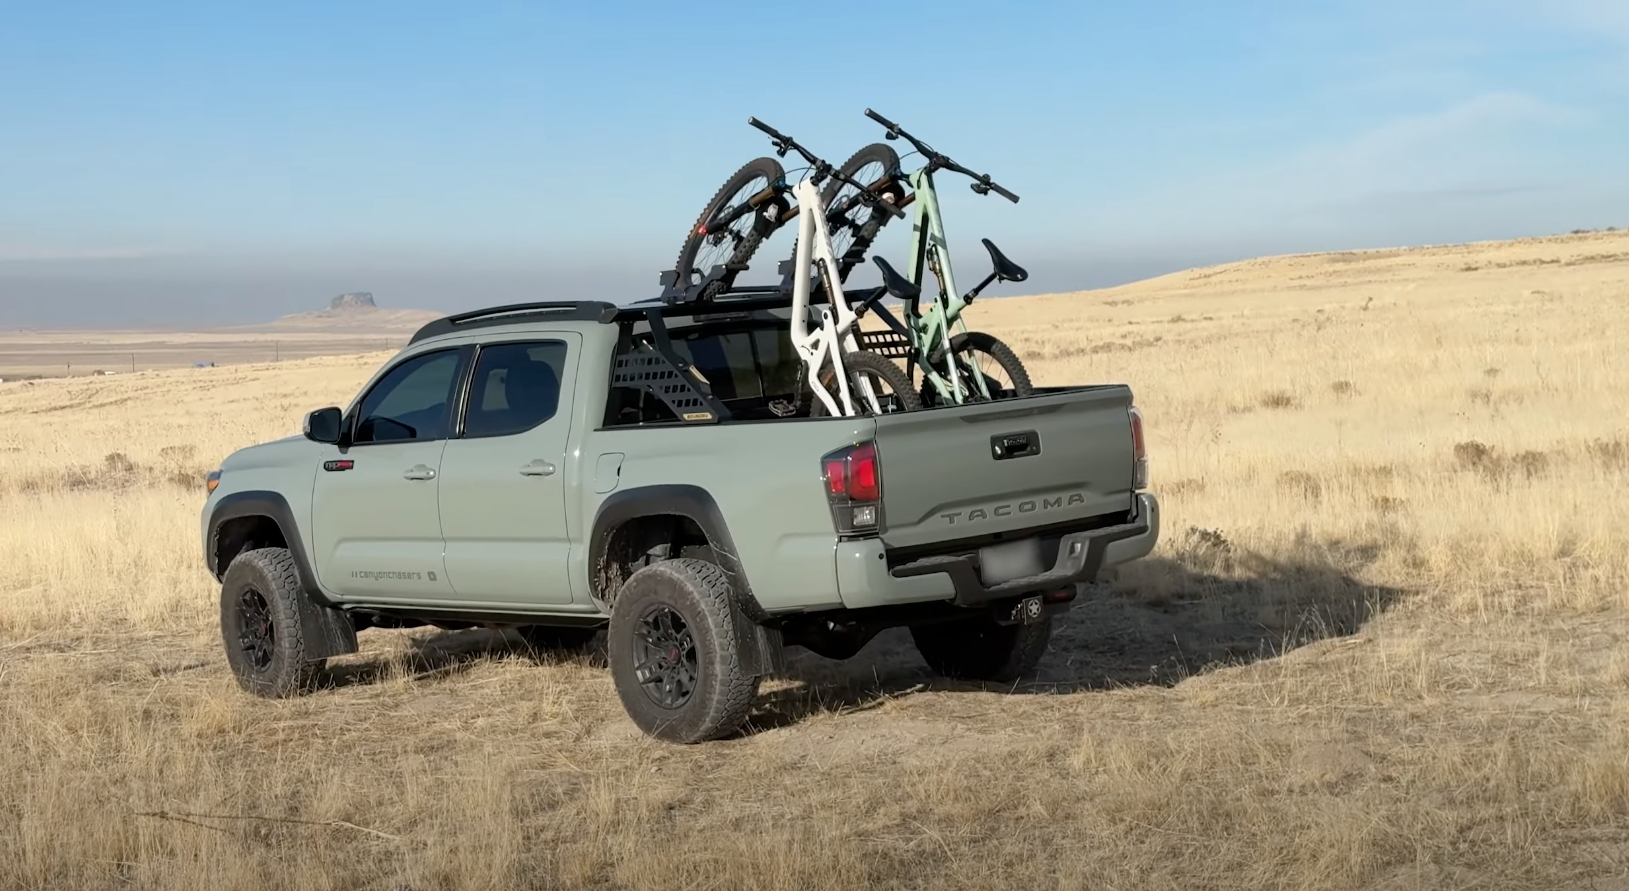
503 486
376 522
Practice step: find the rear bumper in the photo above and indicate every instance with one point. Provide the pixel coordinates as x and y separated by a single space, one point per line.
1080 557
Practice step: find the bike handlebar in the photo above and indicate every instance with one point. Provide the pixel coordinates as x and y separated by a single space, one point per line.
885 122
982 183
784 143
773 133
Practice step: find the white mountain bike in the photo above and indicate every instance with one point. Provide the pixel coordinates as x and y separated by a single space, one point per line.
844 378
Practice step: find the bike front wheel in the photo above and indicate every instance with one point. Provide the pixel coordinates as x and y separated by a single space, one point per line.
732 245
1004 374
886 381
854 228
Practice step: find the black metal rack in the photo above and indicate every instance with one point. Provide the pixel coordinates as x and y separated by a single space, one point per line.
655 367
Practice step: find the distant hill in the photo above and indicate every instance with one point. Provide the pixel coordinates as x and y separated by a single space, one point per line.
355 312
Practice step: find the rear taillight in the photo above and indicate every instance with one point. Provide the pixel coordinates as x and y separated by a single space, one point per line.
853 478
1139 451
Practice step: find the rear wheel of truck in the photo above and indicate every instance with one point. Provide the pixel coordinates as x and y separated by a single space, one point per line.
674 655
260 624
979 649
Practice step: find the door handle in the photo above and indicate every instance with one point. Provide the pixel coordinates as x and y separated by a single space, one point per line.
537 468
419 472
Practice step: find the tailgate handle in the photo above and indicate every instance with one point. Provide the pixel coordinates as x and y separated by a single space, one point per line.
1015 445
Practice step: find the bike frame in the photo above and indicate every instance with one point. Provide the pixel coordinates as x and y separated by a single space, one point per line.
926 330
835 335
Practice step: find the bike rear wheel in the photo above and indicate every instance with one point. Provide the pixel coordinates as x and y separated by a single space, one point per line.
731 245
854 229
1004 374
888 382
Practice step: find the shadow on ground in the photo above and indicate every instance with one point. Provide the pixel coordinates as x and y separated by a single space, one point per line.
1164 618
442 654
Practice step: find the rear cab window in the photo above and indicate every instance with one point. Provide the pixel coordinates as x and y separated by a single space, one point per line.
750 366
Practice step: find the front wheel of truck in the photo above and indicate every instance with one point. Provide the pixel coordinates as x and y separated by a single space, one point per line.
674 653
260 624
980 649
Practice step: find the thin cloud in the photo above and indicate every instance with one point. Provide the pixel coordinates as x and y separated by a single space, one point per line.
34 253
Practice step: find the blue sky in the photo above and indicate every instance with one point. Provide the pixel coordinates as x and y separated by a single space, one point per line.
168 162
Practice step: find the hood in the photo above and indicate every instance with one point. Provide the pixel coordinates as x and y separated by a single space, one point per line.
270 454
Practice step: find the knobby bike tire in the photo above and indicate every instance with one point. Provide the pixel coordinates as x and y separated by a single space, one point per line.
864 364
978 342
894 191
758 168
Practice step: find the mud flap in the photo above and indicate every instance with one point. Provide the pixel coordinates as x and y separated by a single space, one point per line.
763 653
327 631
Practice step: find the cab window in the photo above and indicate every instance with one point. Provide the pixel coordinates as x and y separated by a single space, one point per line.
409 404
516 386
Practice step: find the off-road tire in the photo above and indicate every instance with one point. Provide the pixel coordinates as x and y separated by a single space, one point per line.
866 364
978 649
700 593
974 342
894 191
766 167
277 667
563 639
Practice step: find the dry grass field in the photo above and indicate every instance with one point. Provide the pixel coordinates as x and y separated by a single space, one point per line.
32 355
1384 642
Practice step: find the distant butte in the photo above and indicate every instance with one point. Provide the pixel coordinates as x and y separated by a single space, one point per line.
352 312
351 301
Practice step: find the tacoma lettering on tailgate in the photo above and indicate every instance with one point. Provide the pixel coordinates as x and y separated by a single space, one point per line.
1006 510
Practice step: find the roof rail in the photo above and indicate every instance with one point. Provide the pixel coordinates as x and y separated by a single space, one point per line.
557 311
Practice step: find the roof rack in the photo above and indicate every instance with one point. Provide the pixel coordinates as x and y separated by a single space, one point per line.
557 311
654 367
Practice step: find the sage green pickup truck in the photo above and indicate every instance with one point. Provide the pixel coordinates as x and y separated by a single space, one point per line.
653 470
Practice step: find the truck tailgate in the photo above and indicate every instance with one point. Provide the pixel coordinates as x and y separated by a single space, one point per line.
974 470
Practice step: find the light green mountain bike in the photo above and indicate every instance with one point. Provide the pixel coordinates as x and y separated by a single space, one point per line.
969 366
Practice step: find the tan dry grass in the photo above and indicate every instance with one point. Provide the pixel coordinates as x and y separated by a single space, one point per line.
1382 643
81 354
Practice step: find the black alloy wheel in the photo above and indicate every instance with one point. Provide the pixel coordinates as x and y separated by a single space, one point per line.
665 663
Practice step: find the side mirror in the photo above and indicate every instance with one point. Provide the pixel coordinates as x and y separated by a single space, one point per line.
323 425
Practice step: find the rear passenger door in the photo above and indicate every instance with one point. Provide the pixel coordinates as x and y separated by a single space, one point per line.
503 475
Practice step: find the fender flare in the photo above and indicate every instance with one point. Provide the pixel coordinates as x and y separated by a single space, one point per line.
328 630
754 635
693 503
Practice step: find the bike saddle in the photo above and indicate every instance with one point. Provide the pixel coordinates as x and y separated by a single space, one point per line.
1006 269
898 285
